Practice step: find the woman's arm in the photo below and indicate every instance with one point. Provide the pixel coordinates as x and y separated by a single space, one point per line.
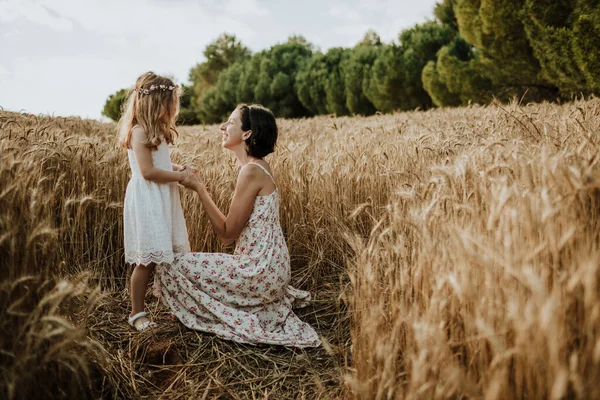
228 228
143 157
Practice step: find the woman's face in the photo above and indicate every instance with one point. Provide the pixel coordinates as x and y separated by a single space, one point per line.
233 136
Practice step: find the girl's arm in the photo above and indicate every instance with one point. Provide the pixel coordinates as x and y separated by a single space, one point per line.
143 156
228 228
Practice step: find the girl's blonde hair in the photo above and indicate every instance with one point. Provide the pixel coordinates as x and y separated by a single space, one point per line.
153 104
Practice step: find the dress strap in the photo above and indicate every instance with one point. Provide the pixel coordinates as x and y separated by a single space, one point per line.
264 169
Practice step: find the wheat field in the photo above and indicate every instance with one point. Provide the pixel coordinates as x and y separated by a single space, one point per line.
451 254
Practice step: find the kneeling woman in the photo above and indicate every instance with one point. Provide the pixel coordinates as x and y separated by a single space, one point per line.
246 296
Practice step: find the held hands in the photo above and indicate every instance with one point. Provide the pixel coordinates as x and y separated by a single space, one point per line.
192 178
181 171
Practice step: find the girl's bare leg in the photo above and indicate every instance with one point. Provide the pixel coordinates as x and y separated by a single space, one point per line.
139 283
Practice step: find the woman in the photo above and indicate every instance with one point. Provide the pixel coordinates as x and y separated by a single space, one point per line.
243 297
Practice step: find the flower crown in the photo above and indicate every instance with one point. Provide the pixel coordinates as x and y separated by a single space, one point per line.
156 87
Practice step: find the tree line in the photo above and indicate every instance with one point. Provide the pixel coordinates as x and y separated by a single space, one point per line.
473 52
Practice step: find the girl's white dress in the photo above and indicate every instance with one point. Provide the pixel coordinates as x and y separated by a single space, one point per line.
154 226
244 296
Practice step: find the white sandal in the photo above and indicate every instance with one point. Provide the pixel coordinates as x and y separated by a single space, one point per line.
144 325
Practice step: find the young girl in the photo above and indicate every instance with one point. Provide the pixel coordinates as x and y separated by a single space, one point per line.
153 220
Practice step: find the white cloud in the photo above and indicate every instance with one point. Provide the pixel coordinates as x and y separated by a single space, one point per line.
59 86
245 8
74 74
401 15
345 13
11 33
386 17
175 24
12 10
353 33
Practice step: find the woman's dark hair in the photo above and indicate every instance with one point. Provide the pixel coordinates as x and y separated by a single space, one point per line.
261 121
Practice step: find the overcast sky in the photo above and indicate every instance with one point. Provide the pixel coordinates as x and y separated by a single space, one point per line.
64 57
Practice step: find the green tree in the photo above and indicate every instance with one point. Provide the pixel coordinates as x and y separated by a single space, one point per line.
432 81
356 68
444 13
586 31
249 78
371 38
496 30
267 77
224 51
456 77
458 67
560 33
275 87
114 104
320 83
395 80
493 55
437 88
222 98
310 84
335 93
187 114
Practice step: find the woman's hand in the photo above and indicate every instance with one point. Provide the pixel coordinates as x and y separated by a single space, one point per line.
192 180
184 173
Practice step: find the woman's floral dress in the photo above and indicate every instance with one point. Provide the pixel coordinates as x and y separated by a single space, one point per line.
244 297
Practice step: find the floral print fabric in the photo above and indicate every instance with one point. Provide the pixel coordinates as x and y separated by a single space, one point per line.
245 296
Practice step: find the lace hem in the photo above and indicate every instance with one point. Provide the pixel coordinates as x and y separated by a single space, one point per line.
156 257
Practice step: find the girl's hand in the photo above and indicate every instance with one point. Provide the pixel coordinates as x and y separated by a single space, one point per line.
183 173
177 167
193 179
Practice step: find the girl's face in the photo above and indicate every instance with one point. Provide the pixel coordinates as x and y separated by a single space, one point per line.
232 134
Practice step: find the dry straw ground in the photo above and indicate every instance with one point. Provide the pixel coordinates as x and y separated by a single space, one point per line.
451 253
